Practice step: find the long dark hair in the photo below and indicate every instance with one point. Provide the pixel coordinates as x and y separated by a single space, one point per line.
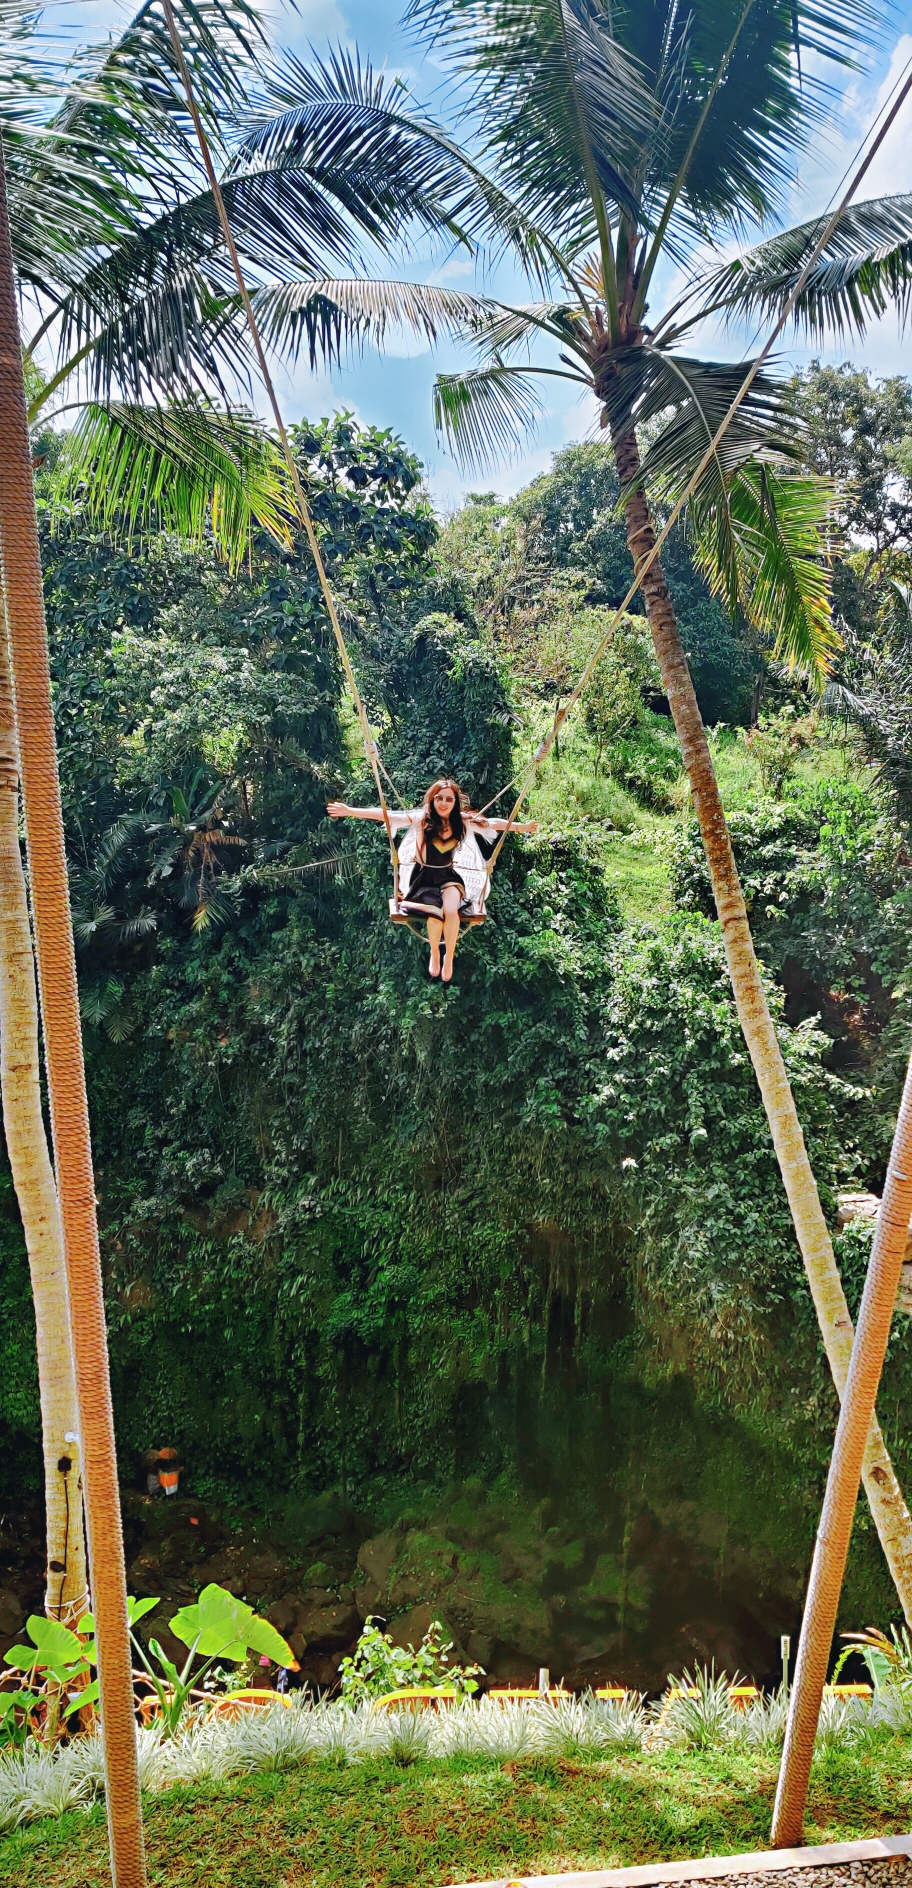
430 818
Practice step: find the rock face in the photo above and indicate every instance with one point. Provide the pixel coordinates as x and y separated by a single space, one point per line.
514 1587
12 1617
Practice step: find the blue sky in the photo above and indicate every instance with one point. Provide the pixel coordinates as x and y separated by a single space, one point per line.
395 390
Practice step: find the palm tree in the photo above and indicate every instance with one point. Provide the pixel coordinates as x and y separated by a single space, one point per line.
631 140
121 274
132 292
20 564
66 1596
107 236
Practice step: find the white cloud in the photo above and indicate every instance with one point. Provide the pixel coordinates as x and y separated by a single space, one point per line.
891 170
310 23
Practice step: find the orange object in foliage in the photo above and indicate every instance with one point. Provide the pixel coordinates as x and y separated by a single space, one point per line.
168 1470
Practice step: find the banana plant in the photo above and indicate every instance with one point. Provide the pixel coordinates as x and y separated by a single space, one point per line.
216 1627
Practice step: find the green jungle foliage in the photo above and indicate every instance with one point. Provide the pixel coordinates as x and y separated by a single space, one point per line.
363 1234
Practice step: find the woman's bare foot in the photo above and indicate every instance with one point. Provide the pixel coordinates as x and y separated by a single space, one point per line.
434 961
446 974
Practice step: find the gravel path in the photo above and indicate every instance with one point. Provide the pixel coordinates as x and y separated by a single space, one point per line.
890 1871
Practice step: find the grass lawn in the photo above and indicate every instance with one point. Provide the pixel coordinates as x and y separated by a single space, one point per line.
378 1825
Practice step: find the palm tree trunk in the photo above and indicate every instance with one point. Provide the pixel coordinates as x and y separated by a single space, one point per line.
20 564
834 1534
65 1597
891 1515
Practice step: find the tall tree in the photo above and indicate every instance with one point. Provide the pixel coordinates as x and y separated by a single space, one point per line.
66 1595
20 566
632 140
121 278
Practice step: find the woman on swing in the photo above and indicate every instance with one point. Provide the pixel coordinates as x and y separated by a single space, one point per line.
441 862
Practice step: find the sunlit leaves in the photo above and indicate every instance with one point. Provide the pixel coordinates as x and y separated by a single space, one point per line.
486 411
186 468
220 1626
865 265
763 550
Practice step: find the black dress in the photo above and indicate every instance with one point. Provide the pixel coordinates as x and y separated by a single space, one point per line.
428 880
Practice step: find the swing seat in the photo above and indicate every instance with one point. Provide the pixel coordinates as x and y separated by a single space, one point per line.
403 913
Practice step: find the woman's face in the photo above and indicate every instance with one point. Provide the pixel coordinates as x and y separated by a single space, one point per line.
444 802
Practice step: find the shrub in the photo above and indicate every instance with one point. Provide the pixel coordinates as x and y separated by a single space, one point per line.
377 1666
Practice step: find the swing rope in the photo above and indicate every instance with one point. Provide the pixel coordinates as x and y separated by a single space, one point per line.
304 513
641 565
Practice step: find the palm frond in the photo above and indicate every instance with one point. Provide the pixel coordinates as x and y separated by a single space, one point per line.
186 468
694 397
727 151
160 308
764 552
142 924
114 847
125 96
485 412
661 124
550 78
212 912
120 140
761 530
89 926
325 315
504 329
161 305
356 130
864 268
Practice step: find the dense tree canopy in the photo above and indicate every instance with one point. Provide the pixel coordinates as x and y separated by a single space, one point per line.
362 1235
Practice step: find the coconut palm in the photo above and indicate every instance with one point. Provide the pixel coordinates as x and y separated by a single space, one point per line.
635 142
123 286
108 240
66 1596
131 293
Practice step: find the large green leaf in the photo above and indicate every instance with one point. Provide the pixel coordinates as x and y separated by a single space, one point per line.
220 1626
764 550
90 1694
186 468
215 1625
263 1637
53 1643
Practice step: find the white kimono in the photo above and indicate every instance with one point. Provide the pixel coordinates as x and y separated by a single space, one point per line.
467 860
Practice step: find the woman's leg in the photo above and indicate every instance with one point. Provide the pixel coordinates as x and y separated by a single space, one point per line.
435 933
452 899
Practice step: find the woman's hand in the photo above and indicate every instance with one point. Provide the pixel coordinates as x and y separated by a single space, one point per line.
337 809
531 826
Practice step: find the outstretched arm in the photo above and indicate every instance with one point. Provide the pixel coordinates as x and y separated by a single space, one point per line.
337 809
508 826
